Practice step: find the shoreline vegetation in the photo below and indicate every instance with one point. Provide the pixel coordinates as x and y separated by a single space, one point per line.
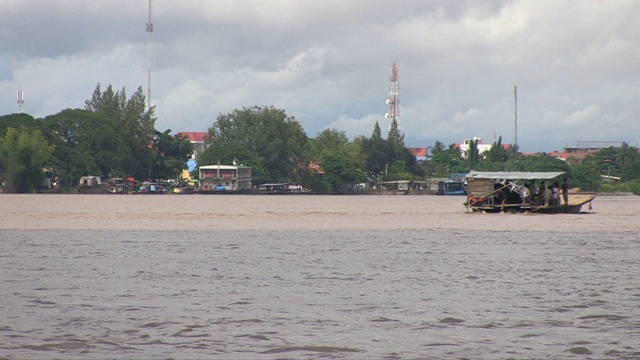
115 136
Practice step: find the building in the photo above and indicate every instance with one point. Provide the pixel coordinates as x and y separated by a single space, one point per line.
464 147
198 139
224 179
572 157
420 153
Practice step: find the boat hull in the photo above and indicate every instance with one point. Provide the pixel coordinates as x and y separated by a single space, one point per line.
576 201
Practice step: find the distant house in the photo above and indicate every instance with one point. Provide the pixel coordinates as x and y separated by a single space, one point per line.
315 168
466 143
197 138
577 156
420 153
482 148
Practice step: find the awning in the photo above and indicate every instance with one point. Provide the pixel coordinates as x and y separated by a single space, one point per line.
513 175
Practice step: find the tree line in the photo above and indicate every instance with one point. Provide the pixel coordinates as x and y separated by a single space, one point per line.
278 150
115 136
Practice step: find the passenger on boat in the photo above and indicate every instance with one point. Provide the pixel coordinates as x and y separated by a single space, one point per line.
513 196
543 194
565 191
501 194
533 190
526 195
555 198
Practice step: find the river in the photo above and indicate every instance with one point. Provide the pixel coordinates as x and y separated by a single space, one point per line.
291 277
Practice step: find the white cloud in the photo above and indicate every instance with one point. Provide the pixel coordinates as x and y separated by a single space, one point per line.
327 63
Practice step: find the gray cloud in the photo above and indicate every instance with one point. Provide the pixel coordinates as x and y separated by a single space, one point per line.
328 64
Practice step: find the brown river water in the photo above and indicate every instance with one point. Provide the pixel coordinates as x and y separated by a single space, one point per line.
318 277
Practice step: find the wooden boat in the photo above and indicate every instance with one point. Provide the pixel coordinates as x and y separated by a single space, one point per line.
283 189
91 184
495 192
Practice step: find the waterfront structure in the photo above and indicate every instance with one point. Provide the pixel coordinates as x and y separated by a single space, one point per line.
224 179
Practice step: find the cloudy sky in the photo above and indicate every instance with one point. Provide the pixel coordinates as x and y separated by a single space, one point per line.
327 63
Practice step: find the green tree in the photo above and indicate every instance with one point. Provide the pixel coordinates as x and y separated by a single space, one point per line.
170 155
85 143
329 141
341 173
135 126
376 153
497 153
438 147
473 155
625 154
265 138
604 161
631 171
23 156
446 161
341 162
394 137
586 177
389 158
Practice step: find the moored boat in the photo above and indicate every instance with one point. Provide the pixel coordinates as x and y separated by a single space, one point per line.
283 189
521 192
91 184
456 185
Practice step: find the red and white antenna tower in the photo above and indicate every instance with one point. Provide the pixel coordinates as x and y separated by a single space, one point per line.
393 101
20 99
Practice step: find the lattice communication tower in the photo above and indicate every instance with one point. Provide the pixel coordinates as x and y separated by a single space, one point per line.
20 100
394 96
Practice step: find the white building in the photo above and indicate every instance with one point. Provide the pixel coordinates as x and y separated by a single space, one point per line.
225 179
464 147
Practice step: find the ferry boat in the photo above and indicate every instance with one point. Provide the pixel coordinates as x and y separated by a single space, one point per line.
456 185
497 192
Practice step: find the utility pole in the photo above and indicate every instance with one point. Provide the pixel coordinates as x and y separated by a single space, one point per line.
20 100
515 96
149 31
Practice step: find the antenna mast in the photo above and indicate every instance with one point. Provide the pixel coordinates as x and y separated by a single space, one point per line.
20 100
393 101
515 96
149 31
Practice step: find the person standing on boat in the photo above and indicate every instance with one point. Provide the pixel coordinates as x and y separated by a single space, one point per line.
555 199
544 194
533 189
565 191
526 195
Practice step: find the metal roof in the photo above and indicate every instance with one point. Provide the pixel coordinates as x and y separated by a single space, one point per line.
513 175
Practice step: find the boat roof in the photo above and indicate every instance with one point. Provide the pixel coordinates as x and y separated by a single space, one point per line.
514 175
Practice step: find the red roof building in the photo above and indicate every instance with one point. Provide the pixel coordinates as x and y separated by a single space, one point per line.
194 136
197 138
419 153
